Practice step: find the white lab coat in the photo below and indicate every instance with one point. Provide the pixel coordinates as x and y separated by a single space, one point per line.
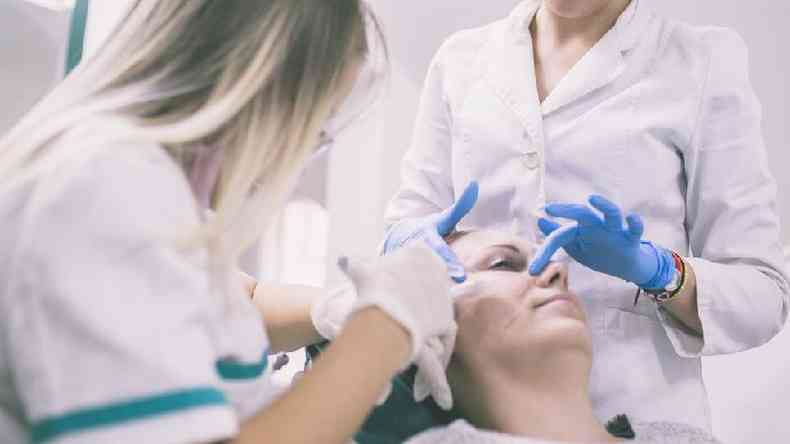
661 118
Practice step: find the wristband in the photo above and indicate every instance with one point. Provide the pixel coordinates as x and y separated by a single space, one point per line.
673 289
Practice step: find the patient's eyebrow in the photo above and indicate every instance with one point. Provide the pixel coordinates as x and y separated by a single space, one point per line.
506 246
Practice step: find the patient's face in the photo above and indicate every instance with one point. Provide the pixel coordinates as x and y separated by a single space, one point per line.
512 315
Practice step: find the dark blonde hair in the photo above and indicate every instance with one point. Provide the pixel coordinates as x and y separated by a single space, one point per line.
255 77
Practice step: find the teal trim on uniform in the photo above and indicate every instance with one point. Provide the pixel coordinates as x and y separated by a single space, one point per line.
234 370
79 22
127 411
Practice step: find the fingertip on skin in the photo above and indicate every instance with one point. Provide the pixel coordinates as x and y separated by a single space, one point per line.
456 270
544 279
543 256
536 268
541 278
464 289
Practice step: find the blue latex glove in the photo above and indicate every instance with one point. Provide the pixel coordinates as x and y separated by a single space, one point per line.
432 229
604 244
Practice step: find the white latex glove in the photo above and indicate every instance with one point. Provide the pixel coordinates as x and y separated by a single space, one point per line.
411 286
431 379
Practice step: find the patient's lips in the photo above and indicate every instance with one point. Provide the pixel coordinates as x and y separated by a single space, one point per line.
565 297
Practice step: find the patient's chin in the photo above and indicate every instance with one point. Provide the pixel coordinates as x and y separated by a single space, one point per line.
556 333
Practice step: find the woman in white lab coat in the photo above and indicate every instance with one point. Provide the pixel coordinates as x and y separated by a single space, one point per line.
568 98
122 318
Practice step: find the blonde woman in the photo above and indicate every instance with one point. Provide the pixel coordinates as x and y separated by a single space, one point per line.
122 318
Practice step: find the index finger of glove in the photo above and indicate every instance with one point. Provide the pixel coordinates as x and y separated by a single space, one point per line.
459 210
454 267
559 238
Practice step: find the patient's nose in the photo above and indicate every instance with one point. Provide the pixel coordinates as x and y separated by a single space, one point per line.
554 276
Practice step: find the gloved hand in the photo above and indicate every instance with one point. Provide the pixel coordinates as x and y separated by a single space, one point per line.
410 285
330 312
431 378
432 229
604 244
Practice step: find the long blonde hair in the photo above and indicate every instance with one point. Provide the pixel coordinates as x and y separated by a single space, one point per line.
255 77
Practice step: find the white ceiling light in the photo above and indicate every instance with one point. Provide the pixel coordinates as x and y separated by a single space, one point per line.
55 5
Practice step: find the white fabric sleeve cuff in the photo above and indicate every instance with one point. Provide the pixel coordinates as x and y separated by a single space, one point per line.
716 318
687 343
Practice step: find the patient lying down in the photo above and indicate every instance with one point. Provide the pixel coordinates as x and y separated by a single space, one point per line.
520 372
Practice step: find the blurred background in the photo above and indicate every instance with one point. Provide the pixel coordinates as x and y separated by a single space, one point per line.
340 202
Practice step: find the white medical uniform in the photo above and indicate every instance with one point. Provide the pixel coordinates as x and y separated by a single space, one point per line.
658 116
110 333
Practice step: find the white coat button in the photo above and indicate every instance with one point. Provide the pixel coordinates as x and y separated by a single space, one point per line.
531 160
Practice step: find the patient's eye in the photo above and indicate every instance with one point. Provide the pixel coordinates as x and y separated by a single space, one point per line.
501 264
507 261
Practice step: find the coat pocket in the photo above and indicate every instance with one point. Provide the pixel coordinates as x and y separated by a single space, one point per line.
640 353
636 371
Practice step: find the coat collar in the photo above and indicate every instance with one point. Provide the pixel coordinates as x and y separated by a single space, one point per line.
512 70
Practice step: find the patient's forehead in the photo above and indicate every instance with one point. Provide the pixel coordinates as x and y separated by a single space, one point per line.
469 243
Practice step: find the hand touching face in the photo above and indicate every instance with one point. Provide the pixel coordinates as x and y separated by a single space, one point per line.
513 314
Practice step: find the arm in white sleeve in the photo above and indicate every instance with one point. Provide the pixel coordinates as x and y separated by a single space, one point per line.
732 221
426 184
